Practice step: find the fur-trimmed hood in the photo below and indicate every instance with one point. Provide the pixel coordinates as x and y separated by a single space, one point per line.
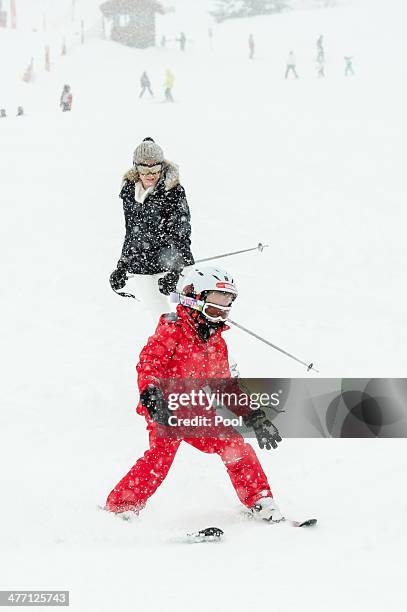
170 173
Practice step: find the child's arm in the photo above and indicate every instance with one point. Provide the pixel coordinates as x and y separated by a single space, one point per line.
155 356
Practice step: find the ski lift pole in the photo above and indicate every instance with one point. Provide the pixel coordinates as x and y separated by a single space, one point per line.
309 366
259 248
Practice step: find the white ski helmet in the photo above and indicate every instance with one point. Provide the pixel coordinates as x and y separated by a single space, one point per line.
200 279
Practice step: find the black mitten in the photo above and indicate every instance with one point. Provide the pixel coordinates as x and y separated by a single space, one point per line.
152 399
168 283
118 277
266 433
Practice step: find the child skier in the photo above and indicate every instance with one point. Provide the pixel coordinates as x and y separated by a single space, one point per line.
66 99
189 344
157 245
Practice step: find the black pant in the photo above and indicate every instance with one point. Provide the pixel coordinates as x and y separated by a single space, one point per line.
143 88
168 95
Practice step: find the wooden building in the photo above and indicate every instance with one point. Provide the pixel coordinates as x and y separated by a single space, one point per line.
132 22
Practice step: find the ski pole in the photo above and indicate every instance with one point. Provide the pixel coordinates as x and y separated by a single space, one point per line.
309 366
259 248
184 300
123 294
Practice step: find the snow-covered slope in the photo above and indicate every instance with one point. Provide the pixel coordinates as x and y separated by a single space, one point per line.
313 167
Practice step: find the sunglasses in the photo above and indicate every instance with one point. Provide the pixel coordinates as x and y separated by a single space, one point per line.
144 169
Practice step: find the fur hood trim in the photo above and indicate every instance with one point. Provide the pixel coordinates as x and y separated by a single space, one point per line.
170 170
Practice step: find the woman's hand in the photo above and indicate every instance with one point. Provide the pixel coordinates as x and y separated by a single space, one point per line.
118 278
168 283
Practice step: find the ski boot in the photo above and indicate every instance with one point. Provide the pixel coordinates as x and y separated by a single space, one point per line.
266 509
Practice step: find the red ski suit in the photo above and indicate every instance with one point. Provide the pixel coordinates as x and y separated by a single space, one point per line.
176 350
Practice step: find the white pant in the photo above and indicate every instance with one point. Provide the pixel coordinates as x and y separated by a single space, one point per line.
145 288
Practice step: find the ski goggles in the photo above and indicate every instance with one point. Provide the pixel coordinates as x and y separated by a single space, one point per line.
145 169
215 312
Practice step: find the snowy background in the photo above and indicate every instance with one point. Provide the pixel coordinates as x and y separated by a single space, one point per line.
316 169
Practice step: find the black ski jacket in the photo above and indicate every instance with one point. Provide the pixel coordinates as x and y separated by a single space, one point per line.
158 232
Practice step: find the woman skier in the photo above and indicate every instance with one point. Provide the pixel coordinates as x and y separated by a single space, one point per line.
157 245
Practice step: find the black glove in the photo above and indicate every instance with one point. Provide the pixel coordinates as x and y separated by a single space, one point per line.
152 399
266 433
168 283
118 277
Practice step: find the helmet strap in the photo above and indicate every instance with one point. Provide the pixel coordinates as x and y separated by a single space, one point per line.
186 300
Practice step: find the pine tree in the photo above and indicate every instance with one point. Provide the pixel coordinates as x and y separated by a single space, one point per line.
265 7
228 9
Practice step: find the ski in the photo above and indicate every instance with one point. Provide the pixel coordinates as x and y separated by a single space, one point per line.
284 521
214 534
308 523
209 534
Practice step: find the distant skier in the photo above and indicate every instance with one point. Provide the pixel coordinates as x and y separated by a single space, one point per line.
291 65
251 46
349 66
168 85
188 344
145 84
20 111
157 245
182 41
28 75
320 50
66 99
3 113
